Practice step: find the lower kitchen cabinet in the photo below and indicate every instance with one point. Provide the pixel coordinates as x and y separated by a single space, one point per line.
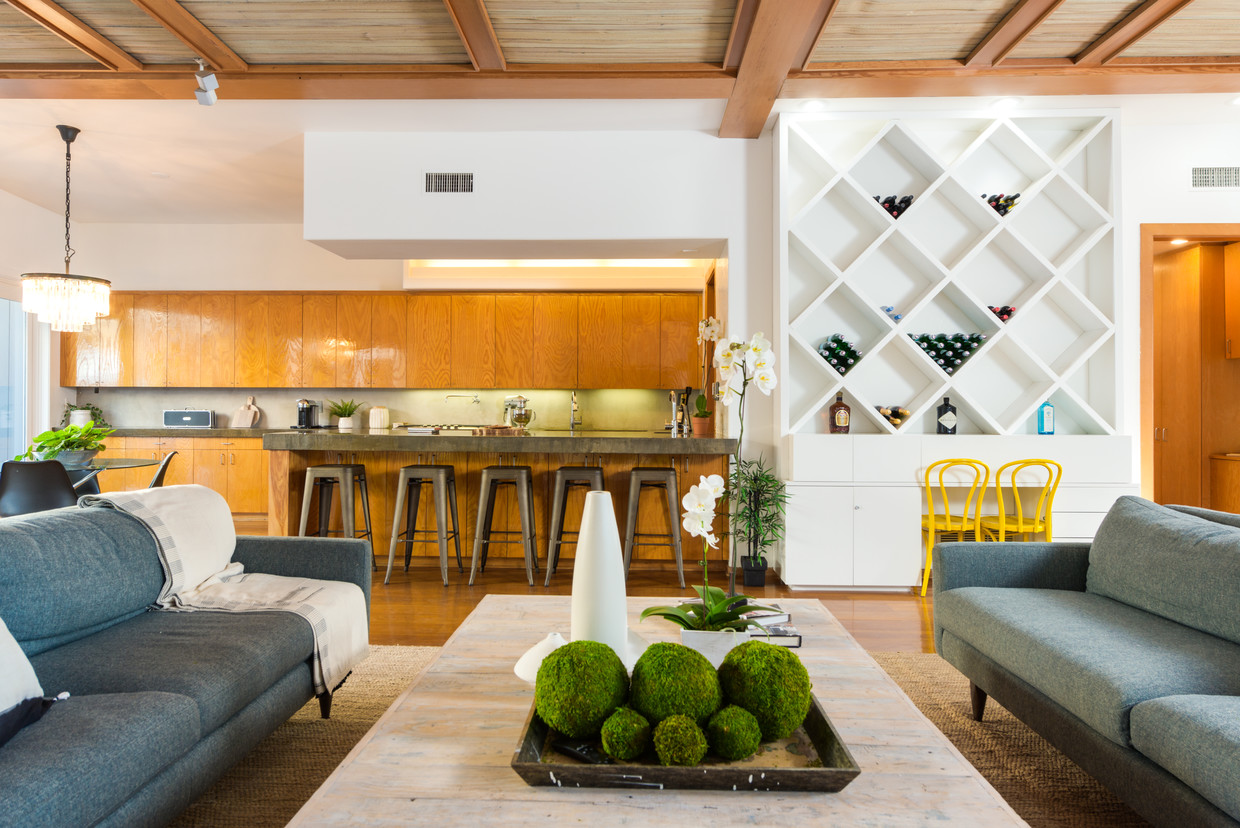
180 470
236 468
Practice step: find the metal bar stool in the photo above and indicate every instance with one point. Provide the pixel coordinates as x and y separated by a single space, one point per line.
566 477
442 480
325 477
522 477
660 478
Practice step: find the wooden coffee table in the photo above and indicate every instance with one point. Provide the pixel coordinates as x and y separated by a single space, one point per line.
441 754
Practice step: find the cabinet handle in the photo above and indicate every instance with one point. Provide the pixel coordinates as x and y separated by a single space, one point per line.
232 459
1229 347
1164 435
221 458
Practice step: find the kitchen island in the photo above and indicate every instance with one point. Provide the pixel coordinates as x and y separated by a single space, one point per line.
384 452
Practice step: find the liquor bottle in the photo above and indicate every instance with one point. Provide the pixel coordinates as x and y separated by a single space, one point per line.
839 415
1046 418
946 417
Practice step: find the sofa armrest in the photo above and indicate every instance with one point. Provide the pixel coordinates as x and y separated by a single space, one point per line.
329 559
1026 565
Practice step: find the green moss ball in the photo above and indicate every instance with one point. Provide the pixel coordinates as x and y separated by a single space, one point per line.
578 686
625 734
771 683
734 733
671 678
679 741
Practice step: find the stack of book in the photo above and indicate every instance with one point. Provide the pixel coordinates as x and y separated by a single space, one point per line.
777 627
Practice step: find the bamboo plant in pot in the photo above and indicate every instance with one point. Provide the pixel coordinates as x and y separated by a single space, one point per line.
760 500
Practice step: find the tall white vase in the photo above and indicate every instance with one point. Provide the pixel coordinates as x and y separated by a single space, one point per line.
599 612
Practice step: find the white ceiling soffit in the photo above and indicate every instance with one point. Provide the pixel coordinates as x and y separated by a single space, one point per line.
564 274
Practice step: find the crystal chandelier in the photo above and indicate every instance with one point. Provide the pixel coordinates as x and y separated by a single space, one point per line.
63 300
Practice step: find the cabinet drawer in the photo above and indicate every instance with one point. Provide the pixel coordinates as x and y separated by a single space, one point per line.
229 443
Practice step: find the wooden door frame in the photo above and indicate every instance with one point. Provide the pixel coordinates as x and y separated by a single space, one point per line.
1151 233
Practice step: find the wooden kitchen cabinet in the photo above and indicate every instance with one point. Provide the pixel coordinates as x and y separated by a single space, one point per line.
184 346
102 354
473 341
217 341
514 338
555 340
429 341
150 340
180 470
236 468
353 339
640 351
318 340
389 336
252 319
600 332
1231 301
678 322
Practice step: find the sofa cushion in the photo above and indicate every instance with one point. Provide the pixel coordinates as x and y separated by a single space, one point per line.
220 660
1094 656
1196 738
89 754
67 573
1173 564
21 698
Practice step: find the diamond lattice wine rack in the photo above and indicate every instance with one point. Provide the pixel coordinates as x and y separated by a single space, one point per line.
942 263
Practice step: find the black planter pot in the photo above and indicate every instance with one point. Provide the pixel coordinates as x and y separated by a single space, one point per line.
755 570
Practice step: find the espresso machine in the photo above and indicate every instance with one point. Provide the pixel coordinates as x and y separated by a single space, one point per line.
307 414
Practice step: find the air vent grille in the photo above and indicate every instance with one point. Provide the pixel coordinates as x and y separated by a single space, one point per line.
449 182
1216 177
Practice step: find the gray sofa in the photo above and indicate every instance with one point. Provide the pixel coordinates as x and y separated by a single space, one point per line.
162 703
1123 653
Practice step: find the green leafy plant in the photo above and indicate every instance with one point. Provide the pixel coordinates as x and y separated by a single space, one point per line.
96 415
716 610
49 444
343 407
759 504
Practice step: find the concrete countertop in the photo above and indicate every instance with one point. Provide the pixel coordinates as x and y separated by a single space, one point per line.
197 432
535 442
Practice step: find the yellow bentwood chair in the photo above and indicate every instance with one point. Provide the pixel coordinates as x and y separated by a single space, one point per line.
952 476
1020 520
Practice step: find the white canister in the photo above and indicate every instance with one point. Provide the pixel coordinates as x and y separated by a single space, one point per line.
79 416
380 418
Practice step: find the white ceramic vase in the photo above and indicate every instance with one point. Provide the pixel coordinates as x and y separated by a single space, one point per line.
79 416
345 424
714 644
598 605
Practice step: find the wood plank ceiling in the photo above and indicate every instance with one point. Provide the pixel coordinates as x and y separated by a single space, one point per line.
749 52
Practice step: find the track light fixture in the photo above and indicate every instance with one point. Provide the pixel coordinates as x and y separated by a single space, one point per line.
207 84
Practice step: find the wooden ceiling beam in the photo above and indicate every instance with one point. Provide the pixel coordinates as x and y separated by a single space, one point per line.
783 34
473 24
189 30
738 36
1019 23
1143 20
67 27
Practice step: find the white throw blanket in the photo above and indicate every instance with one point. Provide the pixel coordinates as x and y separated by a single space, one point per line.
193 529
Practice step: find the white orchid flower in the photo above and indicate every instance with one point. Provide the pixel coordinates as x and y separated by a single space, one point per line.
698 524
734 387
714 483
726 356
764 378
699 498
709 329
758 347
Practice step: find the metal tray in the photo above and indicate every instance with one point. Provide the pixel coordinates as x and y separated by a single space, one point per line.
814 758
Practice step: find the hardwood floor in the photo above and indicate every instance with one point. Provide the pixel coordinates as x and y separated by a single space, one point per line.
416 609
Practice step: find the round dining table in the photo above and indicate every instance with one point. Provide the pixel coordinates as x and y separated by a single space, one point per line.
101 464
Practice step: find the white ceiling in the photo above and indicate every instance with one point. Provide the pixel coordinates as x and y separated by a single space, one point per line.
175 162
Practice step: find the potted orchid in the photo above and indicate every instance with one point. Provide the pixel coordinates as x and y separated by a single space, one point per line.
739 364
714 624
708 331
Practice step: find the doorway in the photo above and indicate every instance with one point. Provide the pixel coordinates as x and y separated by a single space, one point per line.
1190 389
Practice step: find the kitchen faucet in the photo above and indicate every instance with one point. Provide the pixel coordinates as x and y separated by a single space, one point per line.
574 417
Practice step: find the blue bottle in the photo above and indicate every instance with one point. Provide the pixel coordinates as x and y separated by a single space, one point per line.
1046 418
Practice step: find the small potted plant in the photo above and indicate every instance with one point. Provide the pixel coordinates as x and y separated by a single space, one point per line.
79 414
714 624
758 515
343 409
72 445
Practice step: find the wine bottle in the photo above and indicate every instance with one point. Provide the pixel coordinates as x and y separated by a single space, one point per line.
946 417
839 414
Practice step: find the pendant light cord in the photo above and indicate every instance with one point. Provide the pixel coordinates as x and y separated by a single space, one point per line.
69 251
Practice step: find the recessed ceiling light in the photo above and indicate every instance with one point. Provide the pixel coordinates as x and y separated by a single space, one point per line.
1179 241
1006 104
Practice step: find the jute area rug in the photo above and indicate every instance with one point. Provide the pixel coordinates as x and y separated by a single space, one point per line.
269 786
1041 784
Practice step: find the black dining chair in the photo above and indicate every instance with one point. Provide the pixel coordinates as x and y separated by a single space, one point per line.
158 479
85 481
34 486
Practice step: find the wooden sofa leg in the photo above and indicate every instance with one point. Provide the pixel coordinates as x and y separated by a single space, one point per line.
976 695
325 705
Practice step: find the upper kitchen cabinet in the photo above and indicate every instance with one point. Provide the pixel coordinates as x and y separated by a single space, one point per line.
678 322
1231 301
102 354
353 339
266 349
150 340
184 353
389 336
473 341
217 340
555 340
429 341
318 340
600 330
640 349
514 336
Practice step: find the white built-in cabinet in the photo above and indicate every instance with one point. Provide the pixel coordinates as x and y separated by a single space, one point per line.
841 259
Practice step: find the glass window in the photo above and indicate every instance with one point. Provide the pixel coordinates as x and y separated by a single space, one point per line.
12 379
